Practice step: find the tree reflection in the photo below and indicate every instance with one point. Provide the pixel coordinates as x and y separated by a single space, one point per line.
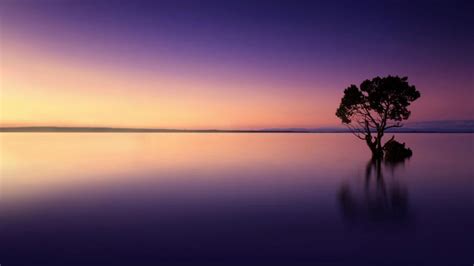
376 201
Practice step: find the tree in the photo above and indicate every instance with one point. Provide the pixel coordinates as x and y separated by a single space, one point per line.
379 104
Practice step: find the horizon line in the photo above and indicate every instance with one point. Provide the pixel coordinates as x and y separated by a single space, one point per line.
61 129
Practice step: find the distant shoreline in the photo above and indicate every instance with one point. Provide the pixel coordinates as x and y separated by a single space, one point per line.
158 130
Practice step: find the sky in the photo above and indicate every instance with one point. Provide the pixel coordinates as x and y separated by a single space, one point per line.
226 64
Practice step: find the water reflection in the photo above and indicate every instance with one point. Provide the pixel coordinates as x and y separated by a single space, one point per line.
377 201
232 199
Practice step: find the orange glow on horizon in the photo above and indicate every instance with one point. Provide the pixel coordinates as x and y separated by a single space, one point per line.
43 89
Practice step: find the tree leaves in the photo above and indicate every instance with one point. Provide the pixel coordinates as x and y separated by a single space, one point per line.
378 104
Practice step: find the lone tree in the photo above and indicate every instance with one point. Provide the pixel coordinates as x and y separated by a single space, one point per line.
379 104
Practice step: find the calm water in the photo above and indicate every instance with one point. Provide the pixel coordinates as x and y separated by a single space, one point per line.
245 199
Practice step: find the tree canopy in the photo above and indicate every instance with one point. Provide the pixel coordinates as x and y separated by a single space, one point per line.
379 104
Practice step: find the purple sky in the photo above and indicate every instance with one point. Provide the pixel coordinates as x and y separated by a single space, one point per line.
238 63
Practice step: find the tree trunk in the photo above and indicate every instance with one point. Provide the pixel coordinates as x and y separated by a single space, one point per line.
378 151
375 147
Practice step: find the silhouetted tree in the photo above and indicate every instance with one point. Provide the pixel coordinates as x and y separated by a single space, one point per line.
379 104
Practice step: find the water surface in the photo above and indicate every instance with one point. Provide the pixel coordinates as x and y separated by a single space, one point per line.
149 199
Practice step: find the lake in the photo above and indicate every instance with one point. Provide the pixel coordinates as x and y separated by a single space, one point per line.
233 199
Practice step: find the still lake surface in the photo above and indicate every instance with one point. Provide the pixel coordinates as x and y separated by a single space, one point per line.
224 199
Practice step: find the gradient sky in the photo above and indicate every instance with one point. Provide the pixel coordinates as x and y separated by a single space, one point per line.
226 64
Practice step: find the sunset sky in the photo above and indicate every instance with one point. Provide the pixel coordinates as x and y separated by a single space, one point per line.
226 64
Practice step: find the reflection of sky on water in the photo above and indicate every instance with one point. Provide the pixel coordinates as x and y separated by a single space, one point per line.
131 198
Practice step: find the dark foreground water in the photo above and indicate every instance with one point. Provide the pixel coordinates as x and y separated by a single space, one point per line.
233 199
